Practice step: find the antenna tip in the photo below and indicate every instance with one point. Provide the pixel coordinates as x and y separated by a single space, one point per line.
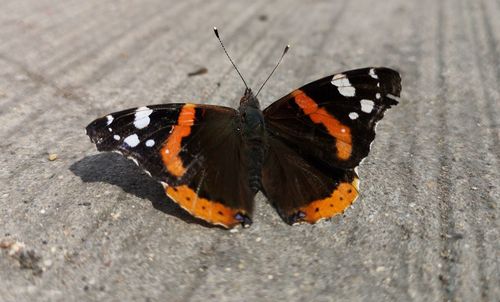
216 32
286 48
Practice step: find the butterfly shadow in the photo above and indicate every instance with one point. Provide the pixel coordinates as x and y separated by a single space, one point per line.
114 169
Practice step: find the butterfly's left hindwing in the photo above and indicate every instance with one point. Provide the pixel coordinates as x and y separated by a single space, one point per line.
303 190
193 150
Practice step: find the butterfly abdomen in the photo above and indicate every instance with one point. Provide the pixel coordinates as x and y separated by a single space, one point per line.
254 151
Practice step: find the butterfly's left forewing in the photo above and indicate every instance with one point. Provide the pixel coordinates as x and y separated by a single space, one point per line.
193 150
333 119
328 127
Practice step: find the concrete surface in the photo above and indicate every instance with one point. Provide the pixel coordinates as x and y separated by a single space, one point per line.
89 226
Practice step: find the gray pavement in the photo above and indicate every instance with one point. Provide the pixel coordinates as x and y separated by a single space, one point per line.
91 226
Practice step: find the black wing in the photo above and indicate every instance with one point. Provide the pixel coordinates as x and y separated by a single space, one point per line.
333 119
193 150
328 126
303 190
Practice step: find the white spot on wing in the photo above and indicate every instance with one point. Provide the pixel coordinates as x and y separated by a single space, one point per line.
142 117
353 115
167 151
347 91
373 74
110 119
340 80
367 106
377 95
150 143
343 85
116 137
132 140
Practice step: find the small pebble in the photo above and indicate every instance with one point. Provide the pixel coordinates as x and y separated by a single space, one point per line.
199 71
52 156
47 263
21 77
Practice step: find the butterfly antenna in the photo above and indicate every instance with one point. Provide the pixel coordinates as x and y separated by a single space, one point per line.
234 65
281 58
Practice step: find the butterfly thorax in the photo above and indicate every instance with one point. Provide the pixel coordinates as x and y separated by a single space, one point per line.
253 136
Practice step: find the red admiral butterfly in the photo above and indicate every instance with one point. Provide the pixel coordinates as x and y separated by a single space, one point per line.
301 152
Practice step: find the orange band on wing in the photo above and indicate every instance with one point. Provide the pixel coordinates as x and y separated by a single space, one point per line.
172 147
342 133
211 211
342 197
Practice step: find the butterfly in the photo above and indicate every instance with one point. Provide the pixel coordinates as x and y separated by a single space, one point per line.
301 152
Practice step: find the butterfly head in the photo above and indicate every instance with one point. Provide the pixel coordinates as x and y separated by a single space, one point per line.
249 100
251 116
